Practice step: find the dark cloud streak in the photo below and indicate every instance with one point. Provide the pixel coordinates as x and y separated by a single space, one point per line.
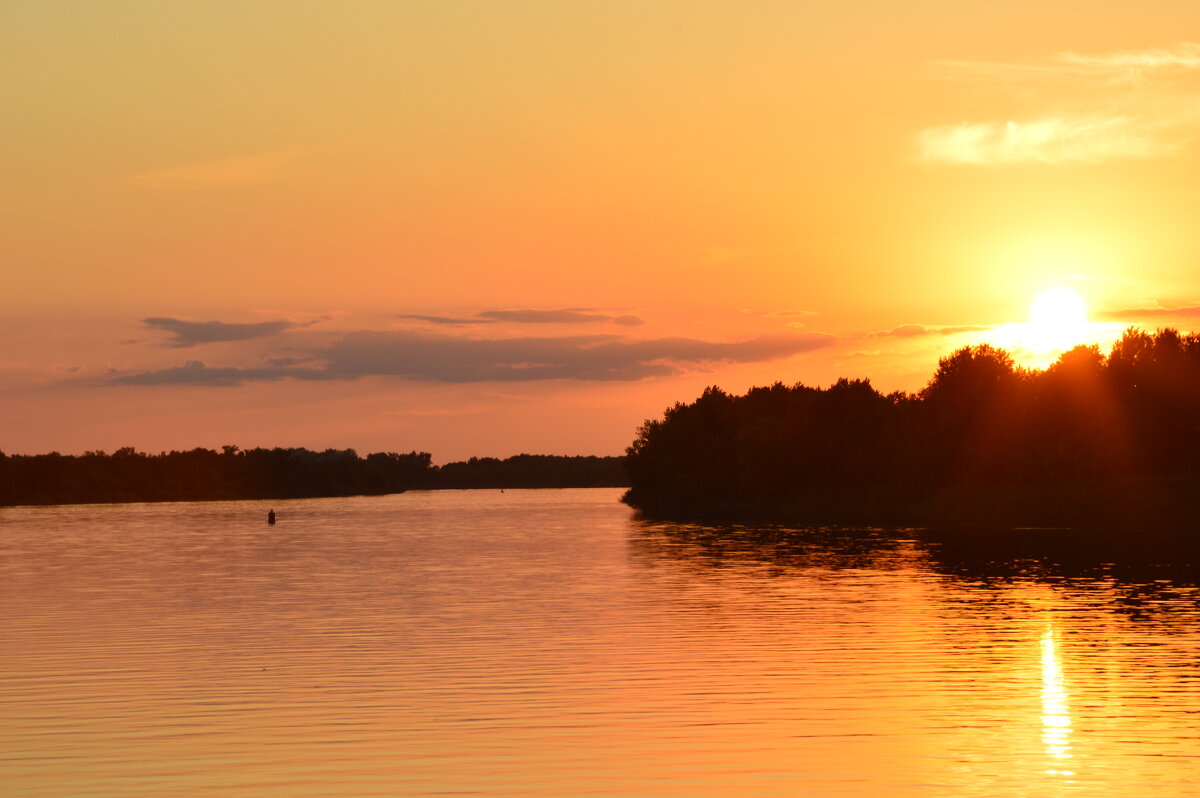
195 372
440 358
187 334
449 320
528 316
563 316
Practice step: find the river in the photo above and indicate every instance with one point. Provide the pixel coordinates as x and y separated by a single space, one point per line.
549 643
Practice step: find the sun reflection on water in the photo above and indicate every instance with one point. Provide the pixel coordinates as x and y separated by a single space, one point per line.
1056 717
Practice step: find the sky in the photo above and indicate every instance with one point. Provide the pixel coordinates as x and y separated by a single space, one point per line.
486 228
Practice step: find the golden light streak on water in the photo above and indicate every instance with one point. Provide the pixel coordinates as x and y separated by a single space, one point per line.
1056 716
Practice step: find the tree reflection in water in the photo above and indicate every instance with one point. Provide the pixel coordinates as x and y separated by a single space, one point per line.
1148 575
1051 659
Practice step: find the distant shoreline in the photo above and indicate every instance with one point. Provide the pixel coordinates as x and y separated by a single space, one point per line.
275 474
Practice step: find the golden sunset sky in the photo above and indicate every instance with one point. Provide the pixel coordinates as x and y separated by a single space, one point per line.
485 228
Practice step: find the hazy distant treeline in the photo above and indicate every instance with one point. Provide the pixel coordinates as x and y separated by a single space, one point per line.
533 471
200 474
1093 438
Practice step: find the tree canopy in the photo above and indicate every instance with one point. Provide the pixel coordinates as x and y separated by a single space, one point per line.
1091 438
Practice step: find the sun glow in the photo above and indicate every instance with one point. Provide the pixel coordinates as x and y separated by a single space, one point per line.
1057 319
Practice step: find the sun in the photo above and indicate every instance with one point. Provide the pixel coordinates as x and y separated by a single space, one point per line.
1057 321
1058 308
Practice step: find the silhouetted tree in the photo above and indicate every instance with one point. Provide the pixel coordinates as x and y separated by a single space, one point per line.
1090 438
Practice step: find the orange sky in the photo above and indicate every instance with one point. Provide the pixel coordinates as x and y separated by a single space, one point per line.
494 227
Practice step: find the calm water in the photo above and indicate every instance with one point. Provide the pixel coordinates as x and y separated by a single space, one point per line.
547 643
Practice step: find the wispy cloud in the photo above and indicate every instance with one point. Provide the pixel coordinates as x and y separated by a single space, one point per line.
196 372
915 330
1120 67
789 314
1051 140
1132 116
443 358
1133 65
219 173
1157 312
186 334
564 316
447 320
529 316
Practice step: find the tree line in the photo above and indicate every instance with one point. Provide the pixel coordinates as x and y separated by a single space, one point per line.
204 474
1093 438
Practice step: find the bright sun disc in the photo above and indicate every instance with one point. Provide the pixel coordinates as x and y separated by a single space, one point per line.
1058 309
1057 322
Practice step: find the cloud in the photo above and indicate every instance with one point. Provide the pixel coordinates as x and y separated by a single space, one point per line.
793 317
220 173
1136 314
1131 65
1116 68
528 316
191 333
1053 140
442 319
440 358
1132 117
564 316
288 360
195 372
589 357
914 330
787 314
